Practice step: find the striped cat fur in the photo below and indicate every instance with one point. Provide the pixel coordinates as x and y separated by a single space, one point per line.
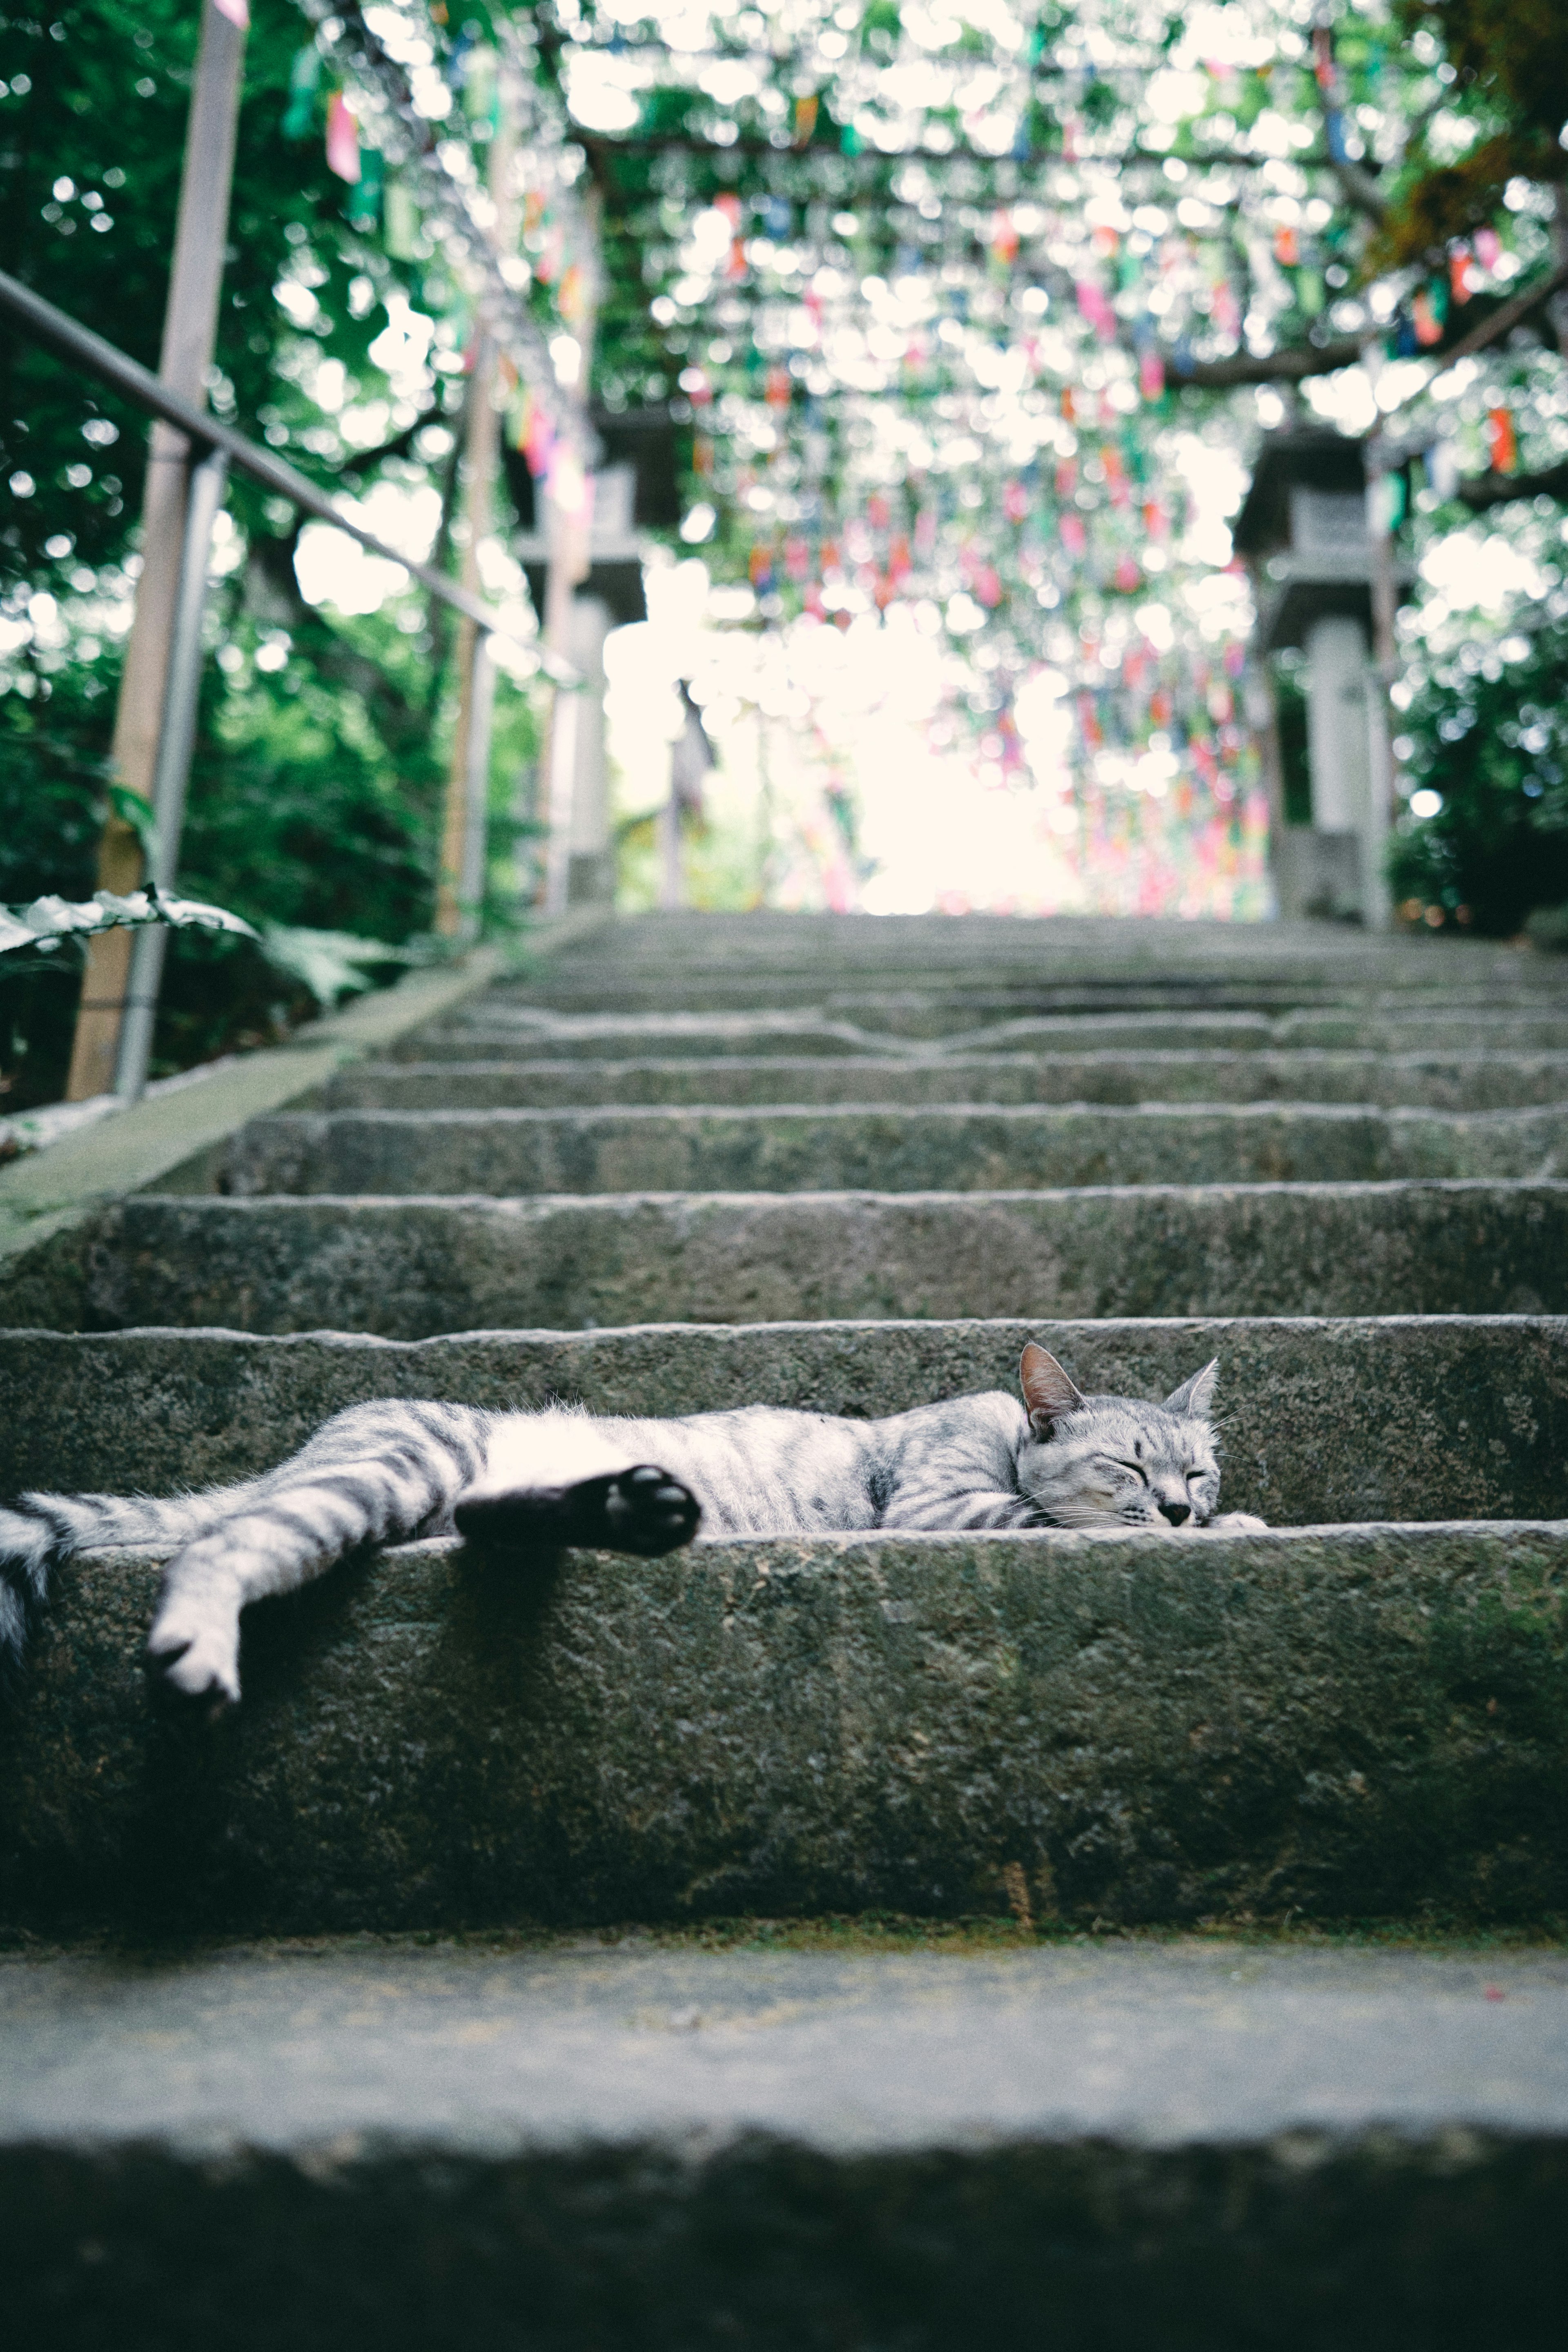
388 1473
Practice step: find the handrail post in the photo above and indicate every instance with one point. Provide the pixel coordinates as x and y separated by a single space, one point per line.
176 739
190 326
476 783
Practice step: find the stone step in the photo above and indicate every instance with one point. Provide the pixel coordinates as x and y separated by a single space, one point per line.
937 1012
410 1268
492 1032
1202 2144
1399 1417
1432 1081
645 946
835 1148
1342 1723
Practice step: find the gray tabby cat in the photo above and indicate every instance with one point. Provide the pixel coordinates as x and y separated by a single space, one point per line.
388 1473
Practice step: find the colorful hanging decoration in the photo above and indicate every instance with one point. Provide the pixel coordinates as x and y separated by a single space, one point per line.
364 208
304 83
342 138
1502 441
1426 318
400 215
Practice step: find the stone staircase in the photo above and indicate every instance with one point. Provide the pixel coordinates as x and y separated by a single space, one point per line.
848 1165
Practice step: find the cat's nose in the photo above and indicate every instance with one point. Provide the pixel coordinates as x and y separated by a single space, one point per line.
1177 1512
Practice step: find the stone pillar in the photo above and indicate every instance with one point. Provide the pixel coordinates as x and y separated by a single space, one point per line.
591 870
1339 755
1336 725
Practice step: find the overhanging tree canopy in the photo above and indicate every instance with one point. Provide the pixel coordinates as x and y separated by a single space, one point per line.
948 300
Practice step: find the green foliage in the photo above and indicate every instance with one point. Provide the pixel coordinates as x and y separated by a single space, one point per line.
316 782
1491 736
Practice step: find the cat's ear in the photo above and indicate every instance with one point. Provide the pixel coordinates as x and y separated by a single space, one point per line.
1195 1396
1048 1391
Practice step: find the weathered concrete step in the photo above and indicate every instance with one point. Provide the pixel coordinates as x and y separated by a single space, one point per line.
762 934
1431 1081
497 1030
1340 1722
1057 948
1201 2145
835 1147
936 1012
409 1268
494 1031
1399 1417
1455 1029
1448 1029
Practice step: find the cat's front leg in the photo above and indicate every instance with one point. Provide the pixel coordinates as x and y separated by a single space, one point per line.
1234 1523
641 1509
555 1479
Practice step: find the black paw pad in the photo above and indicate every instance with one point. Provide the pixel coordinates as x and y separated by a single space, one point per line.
648 1512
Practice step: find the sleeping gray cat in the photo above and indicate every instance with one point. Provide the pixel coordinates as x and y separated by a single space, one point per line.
388 1473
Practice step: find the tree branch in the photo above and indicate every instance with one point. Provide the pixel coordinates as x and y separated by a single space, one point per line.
1291 366
1508 316
1271 367
1486 490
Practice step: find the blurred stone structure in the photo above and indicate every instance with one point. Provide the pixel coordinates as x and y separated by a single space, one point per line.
1302 533
634 488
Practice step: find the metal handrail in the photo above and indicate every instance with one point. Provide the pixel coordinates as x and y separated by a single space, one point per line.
139 385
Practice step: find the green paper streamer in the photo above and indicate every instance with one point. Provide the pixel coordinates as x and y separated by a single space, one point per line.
400 216
362 209
304 83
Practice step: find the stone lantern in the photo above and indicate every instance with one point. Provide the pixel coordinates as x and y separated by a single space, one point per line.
1302 531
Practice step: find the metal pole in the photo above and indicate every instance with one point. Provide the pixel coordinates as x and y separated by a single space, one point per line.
477 787
480 455
569 562
1376 909
460 884
190 326
671 894
202 430
176 739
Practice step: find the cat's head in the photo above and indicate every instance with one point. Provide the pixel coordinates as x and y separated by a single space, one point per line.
1114 1460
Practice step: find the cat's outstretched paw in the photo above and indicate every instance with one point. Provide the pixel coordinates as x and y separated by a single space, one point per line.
1235 1523
642 1510
648 1512
193 1658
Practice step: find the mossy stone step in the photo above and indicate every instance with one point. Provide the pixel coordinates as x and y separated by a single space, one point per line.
1202 2144
1402 1417
409 1268
1364 1722
492 1032
838 1147
1430 1081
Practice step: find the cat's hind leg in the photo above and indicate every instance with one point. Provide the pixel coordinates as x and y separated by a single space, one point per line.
377 1474
558 1478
